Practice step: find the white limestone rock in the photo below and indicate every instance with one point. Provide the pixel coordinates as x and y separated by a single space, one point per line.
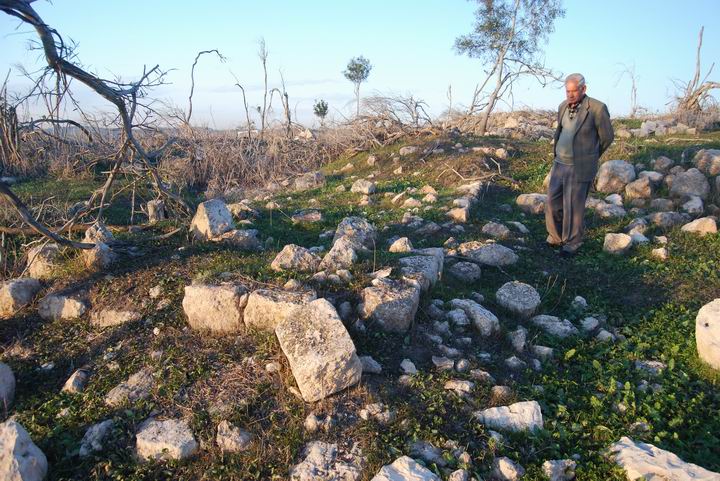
642 460
521 416
93 439
707 333
505 469
518 298
392 304
16 294
113 317
617 244
20 458
484 321
323 462
137 387
559 469
215 308
490 254
614 175
231 439
267 308
43 261
701 226
531 203
555 326
295 258
405 468
211 219
7 386
57 306
165 440
319 349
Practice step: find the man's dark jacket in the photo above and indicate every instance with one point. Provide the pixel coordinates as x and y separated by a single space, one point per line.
593 136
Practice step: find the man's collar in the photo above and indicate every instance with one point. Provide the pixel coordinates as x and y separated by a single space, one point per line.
579 104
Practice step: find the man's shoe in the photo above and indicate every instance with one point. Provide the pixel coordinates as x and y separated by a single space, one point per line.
567 252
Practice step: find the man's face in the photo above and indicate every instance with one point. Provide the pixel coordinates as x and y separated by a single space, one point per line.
573 93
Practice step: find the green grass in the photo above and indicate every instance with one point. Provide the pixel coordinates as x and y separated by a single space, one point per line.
651 304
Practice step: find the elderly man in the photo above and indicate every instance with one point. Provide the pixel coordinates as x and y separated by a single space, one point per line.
583 133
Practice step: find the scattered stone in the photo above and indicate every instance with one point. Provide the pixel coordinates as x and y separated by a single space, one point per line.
496 230
98 258
641 460
392 304
211 219
521 416
98 233
485 321
7 386
231 439
113 317
460 386
653 368
215 308
662 164
20 458
614 175
370 365
517 338
408 367
689 183
424 268
668 220
466 272
310 180
169 439
94 437
543 352
707 333
482 376
322 462
459 214
56 306
559 469
641 188
403 244
42 261
156 211
405 469
296 258
443 363
617 244
490 254
16 294
555 326
459 475
505 469
702 226
531 203
694 206
379 412
458 318
604 336
363 186
661 253
136 388
518 298
306 216
319 349
589 324
75 384
267 308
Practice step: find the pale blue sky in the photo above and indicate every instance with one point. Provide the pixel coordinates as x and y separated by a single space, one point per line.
409 44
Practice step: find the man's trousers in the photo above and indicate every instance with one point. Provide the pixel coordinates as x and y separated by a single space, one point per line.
565 207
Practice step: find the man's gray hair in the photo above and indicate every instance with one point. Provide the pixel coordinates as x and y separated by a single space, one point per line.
576 77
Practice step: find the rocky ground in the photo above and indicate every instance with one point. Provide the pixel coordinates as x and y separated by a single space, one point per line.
395 316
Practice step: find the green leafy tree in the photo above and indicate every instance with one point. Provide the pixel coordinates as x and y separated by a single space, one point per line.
507 37
321 110
357 71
